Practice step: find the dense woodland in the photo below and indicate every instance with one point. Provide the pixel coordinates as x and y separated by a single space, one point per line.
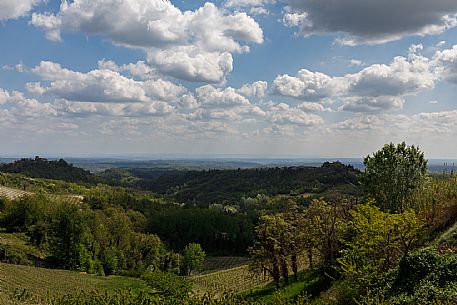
210 186
383 236
43 168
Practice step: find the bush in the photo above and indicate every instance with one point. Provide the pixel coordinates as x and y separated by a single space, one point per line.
13 255
168 284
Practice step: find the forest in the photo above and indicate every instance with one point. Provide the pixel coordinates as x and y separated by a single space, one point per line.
303 235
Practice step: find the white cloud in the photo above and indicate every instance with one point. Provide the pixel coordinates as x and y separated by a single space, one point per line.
402 76
191 45
104 86
371 22
356 63
308 85
376 88
372 104
446 61
109 109
20 106
312 107
283 114
12 9
257 89
208 96
256 7
139 69
192 64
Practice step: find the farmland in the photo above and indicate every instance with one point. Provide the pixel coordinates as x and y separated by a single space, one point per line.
25 284
13 193
218 263
231 280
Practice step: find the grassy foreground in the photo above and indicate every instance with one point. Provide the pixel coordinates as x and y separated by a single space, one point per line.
31 285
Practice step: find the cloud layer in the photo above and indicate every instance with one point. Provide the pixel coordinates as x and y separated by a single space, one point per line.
371 21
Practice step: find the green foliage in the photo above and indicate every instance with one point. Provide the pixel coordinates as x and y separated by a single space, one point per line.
283 239
375 241
167 284
425 276
193 257
66 236
223 186
269 253
20 215
216 231
393 173
42 168
110 261
14 255
128 298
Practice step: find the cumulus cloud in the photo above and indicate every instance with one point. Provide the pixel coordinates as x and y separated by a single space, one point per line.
376 88
372 104
104 86
308 85
12 9
446 61
283 114
209 96
255 7
192 64
191 45
139 69
257 89
313 107
371 21
16 108
401 76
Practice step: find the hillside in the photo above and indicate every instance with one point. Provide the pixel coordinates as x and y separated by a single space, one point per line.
43 168
210 186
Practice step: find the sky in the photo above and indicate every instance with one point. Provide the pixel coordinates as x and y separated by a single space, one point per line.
302 78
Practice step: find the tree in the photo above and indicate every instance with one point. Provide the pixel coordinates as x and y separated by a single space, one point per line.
392 174
265 251
375 241
274 247
193 258
66 237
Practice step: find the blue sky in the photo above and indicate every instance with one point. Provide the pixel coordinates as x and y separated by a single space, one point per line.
252 77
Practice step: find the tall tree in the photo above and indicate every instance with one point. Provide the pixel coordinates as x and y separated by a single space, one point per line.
67 230
193 257
393 173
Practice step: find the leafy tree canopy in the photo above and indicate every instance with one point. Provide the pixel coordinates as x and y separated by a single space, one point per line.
393 173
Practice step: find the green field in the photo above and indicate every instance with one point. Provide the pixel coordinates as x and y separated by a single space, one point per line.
231 280
13 193
31 285
218 263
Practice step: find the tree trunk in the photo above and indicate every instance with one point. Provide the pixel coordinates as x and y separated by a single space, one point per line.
294 264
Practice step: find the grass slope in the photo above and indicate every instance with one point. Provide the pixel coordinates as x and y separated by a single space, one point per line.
310 283
31 285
